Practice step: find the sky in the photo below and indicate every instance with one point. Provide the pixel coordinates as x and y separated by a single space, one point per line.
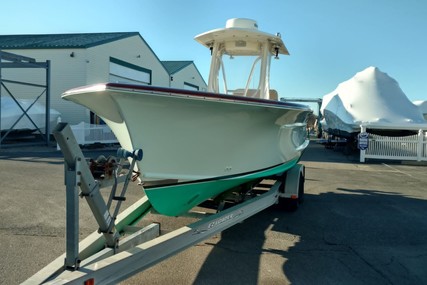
329 40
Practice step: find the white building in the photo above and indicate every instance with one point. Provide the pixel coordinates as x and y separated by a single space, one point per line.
82 59
183 75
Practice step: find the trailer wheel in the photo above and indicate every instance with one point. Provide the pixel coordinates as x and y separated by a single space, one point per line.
292 204
301 189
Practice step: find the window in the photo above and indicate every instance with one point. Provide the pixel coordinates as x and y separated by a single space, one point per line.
124 72
189 86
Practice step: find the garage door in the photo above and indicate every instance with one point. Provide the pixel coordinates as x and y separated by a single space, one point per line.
125 72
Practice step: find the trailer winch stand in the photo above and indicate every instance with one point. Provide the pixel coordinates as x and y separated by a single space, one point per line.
78 175
91 262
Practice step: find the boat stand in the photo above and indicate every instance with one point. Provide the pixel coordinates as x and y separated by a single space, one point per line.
106 257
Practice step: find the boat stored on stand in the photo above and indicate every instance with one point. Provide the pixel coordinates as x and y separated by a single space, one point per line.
373 99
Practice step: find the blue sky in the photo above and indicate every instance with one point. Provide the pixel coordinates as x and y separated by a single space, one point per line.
329 40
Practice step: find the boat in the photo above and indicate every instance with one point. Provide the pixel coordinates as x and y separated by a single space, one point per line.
14 120
373 99
200 144
422 105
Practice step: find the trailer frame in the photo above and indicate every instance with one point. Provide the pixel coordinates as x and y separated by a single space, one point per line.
105 257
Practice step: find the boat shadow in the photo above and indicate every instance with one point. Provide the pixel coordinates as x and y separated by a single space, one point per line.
40 158
47 154
356 236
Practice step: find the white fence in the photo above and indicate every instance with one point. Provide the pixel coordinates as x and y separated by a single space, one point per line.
412 147
87 134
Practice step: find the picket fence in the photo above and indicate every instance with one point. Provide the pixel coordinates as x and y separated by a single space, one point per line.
412 147
89 134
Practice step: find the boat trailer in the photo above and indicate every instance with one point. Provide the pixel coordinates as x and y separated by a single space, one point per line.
119 249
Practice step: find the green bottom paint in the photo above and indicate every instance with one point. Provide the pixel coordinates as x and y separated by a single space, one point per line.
175 200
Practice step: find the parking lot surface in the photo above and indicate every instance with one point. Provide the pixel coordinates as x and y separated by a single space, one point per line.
359 224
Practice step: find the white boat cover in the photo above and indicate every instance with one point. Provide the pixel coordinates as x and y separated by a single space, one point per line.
11 113
371 98
423 107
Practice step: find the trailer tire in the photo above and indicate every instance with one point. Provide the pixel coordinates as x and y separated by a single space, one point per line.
301 189
289 204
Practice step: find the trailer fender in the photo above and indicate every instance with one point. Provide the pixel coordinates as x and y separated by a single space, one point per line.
292 194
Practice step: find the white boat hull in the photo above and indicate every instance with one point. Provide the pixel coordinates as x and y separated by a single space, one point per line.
194 136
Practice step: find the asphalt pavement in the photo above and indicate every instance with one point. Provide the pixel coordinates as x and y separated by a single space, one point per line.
361 223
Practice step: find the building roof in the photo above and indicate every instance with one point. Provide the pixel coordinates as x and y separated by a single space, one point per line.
58 41
82 40
173 66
